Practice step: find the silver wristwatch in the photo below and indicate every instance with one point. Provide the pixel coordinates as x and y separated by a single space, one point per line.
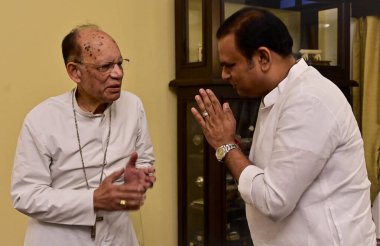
222 151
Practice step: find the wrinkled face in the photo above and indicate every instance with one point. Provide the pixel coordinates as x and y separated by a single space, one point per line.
244 75
100 67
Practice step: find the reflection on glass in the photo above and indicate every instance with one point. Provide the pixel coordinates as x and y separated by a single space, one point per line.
194 32
195 186
328 36
315 39
292 20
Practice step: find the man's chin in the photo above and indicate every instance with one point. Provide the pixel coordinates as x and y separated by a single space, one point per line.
239 92
113 96
244 93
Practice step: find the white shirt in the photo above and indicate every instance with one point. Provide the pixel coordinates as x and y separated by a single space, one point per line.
48 181
308 185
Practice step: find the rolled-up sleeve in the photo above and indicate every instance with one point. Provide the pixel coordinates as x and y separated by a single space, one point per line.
246 182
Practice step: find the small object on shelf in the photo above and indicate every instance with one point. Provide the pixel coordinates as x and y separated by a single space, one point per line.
197 239
313 55
197 139
251 128
195 244
197 204
233 236
200 52
199 181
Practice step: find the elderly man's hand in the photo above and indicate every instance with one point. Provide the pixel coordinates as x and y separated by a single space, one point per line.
144 175
127 196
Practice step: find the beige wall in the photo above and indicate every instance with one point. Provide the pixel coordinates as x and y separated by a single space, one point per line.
31 69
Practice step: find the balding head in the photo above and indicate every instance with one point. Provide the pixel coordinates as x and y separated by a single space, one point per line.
84 41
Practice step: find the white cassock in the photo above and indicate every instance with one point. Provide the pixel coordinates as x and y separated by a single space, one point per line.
48 182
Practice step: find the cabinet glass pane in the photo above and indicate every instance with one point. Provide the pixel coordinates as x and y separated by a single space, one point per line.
314 31
328 36
291 18
237 231
194 32
195 181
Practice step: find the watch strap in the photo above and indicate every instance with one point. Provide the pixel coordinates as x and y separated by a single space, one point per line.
223 150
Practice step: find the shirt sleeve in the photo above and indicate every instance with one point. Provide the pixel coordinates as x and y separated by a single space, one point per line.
32 193
246 182
305 136
144 145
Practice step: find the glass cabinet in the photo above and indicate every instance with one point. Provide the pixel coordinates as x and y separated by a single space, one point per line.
320 31
210 209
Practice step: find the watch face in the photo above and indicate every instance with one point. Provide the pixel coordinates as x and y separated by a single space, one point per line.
220 153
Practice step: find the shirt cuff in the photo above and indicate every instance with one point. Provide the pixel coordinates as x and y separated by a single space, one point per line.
246 181
88 216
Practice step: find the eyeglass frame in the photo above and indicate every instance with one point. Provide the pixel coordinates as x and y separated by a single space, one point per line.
107 67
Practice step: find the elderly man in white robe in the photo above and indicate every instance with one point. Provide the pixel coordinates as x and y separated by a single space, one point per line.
77 166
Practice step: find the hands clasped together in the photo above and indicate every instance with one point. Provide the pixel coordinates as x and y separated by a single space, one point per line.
131 194
218 122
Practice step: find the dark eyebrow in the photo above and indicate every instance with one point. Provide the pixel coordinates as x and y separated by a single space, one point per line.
227 64
224 64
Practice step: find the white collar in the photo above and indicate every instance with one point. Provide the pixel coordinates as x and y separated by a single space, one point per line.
294 72
86 113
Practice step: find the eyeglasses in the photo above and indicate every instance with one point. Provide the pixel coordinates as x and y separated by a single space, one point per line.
107 67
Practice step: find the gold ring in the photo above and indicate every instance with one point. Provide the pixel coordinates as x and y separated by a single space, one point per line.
123 202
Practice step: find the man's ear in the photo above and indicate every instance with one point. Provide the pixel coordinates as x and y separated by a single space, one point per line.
264 57
74 72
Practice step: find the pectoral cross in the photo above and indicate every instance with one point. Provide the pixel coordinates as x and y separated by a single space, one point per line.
93 228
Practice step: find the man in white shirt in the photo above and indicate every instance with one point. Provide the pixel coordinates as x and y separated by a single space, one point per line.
84 158
305 182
